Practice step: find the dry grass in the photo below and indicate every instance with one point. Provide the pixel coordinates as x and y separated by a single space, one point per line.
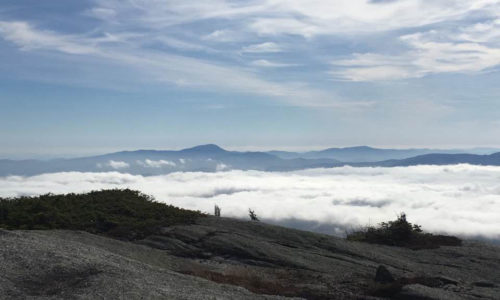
274 281
253 281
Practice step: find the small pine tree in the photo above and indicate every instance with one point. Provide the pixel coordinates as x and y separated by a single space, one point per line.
217 211
252 215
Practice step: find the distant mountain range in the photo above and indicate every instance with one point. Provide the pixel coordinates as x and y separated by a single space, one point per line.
212 158
442 159
369 154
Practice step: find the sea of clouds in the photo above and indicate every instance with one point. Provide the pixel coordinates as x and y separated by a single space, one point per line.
458 199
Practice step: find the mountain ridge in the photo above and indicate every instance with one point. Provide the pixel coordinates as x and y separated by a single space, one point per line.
212 158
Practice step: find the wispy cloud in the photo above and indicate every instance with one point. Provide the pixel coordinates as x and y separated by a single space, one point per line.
164 40
321 17
437 197
101 13
165 67
183 45
296 16
270 64
156 163
221 167
465 48
430 52
221 35
267 47
24 36
117 165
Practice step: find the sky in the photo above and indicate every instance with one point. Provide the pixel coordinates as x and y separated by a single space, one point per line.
93 76
459 199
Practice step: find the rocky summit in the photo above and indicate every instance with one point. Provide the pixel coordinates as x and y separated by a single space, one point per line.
221 258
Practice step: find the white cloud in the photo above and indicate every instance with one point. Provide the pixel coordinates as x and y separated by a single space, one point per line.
160 14
183 45
128 33
278 26
298 17
463 48
165 67
374 73
320 17
156 163
118 164
101 13
113 164
269 64
460 199
480 32
267 47
221 36
429 52
23 35
221 167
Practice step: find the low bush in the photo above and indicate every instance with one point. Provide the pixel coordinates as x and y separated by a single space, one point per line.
403 234
124 214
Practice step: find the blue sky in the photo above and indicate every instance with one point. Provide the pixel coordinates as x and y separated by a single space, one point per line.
81 77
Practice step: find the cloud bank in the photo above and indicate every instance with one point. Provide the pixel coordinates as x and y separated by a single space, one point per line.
156 163
117 165
460 199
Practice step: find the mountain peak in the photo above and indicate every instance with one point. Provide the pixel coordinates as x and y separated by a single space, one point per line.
360 148
205 148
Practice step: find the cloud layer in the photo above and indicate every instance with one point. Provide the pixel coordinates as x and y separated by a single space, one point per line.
461 199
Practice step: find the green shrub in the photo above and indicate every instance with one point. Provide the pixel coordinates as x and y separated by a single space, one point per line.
403 234
124 214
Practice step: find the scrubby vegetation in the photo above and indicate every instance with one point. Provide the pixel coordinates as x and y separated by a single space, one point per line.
403 234
124 214
216 211
252 215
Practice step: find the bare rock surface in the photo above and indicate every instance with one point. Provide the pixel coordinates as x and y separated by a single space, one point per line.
78 265
220 258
